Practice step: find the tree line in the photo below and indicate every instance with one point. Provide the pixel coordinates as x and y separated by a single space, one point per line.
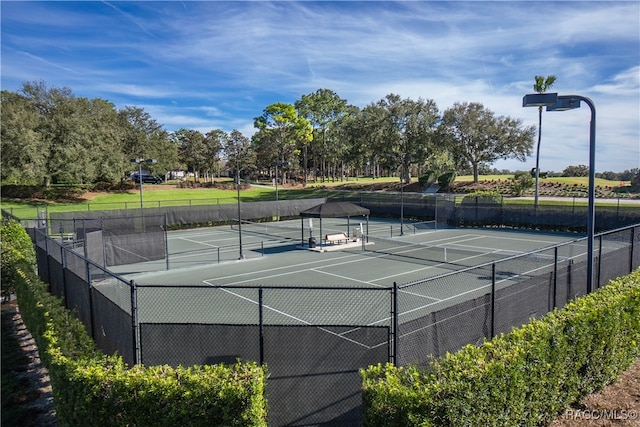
50 136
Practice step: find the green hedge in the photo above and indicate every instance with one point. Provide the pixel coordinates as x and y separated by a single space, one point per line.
15 247
91 387
524 378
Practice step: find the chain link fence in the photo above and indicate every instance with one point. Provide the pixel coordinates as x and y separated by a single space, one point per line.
314 340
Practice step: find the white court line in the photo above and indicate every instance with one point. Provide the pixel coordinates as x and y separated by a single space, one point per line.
440 264
343 277
199 243
178 235
351 261
510 278
553 242
285 267
293 317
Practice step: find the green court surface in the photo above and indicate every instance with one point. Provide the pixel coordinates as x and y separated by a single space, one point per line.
347 283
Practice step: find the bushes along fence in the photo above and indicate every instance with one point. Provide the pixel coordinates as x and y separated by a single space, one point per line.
88 385
525 378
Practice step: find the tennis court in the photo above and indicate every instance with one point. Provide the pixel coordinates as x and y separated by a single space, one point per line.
316 316
275 256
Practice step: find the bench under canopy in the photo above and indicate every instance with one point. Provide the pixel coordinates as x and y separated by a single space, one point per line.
336 210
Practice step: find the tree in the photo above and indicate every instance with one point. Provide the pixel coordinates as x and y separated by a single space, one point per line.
541 85
145 138
322 108
282 129
573 171
476 137
192 150
522 181
80 137
23 147
408 128
214 142
239 152
104 156
367 138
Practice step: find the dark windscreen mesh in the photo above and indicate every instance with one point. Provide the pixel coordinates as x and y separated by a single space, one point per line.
94 247
113 325
129 240
314 372
615 252
442 314
315 339
79 299
83 226
635 250
56 277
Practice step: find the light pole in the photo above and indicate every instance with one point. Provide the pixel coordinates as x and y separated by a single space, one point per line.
553 102
241 256
402 182
276 164
140 161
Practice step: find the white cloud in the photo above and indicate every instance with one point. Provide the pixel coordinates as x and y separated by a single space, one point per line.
207 65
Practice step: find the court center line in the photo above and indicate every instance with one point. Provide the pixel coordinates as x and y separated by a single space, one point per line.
326 263
317 270
479 288
199 243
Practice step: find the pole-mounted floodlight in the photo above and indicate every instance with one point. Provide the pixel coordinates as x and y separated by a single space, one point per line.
564 103
539 99
553 102
140 161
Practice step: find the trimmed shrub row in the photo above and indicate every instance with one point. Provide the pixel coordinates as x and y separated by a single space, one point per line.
524 378
89 386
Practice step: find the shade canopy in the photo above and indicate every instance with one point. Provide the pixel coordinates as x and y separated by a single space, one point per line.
335 210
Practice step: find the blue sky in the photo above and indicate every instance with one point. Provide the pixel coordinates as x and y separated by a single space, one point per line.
217 65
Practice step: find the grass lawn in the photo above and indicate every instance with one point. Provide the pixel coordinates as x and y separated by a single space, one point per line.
169 194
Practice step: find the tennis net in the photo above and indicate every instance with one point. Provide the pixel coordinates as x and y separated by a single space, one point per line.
414 228
270 229
445 254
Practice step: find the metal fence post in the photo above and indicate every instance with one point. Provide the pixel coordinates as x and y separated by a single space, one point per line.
555 276
91 307
632 249
261 324
493 299
134 324
394 325
63 265
166 239
597 284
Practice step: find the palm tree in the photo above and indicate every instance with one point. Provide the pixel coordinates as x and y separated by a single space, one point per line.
541 85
